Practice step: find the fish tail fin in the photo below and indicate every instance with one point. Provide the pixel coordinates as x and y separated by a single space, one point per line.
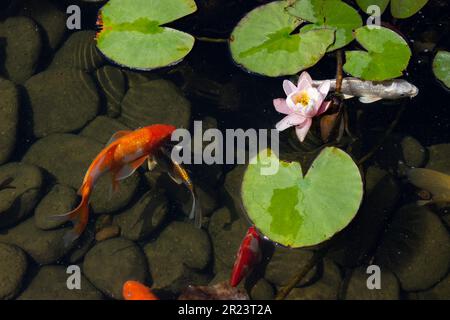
196 210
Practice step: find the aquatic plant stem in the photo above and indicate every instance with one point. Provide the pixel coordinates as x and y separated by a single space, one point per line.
339 71
211 40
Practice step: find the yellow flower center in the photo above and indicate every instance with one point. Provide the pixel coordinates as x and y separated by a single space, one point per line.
302 98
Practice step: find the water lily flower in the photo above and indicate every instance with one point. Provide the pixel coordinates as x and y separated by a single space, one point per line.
303 103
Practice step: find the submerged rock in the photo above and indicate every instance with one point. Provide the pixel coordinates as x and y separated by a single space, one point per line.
416 247
357 286
414 154
9 110
45 247
112 82
18 200
177 253
13 265
156 101
102 128
107 232
22 48
110 263
61 101
78 52
440 291
147 214
59 200
438 158
262 290
232 190
50 283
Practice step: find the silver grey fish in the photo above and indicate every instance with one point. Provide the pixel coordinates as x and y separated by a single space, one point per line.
371 91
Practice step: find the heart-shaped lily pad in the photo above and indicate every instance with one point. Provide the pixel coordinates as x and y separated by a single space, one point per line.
400 9
265 42
441 67
333 14
387 55
132 32
296 210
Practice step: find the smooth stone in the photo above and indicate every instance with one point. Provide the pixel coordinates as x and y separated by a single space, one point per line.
156 101
285 263
78 153
50 19
232 190
50 283
440 291
59 200
61 101
45 247
13 266
137 78
146 215
326 288
112 83
9 109
416 248
414 154
438 158
102 128
18 202
107 233
22 48
84 244
110 263
78 52
262 290
179 252
357 286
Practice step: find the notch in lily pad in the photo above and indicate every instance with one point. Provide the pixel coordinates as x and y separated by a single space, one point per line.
299 210
266 41
387 55
133 33
400 9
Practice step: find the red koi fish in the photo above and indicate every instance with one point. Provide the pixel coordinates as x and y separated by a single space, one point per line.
134 290
125 152
248 256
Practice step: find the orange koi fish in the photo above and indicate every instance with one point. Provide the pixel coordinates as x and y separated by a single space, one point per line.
125 152
134 290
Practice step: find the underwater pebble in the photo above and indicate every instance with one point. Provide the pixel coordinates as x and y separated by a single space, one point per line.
59 200
84 244
45 247
232 190
416 248
23 48
105 220
61 101
107 233
50 19
50 284
112 83
110 263
262 290
440 291
9 109
135 78
13 266
414 154
102 128
439 156
326 288
357 286
179 251
78 52
156 101
147 214
18 202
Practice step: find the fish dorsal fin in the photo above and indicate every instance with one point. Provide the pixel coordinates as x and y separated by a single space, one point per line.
369 99
129 168
118 135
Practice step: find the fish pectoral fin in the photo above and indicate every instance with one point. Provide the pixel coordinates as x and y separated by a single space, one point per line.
129 168
151 163
118 135
369 99
348 96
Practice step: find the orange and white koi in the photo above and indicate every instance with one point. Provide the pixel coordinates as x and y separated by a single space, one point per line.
124 154
248 256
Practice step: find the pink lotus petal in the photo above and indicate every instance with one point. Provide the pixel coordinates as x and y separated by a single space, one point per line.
294 119
302 130
324 107
304 81
281 106
324 88
289 87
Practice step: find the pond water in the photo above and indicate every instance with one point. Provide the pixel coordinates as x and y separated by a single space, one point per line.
61 100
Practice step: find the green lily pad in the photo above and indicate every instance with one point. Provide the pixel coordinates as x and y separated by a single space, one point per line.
400 9
133 34
296 210
441 67
387 55
333 14
265 42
